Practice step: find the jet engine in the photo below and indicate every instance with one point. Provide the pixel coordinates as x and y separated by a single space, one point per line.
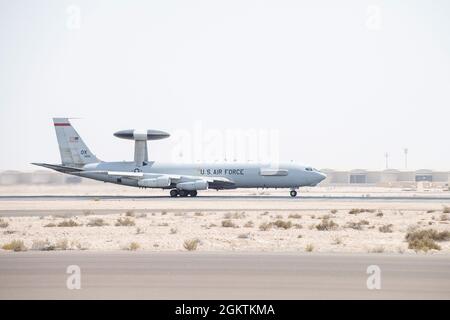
159 182
194 185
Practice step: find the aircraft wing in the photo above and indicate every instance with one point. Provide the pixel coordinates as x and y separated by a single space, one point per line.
134 175
213 182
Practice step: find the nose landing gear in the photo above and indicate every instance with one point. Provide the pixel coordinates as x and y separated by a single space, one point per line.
293 193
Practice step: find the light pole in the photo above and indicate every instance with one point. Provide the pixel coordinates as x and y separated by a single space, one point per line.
405 150
386 155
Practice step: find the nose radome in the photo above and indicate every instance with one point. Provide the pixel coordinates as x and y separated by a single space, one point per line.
322 176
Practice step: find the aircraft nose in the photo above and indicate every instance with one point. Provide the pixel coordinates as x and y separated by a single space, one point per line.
321 176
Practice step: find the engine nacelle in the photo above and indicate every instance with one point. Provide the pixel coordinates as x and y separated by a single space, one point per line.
194 185
159 182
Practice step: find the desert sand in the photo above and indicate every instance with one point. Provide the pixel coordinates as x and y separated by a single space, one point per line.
247 221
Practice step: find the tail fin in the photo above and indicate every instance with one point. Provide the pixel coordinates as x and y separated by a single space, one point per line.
71 147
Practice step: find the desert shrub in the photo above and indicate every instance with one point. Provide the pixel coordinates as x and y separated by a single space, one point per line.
357 211
423 244
446 209
444 217
163 224
129 213
387 228
327 225
228 224
173 230
244 236
125 222
357 225
354 225
428 233
333 211
249 224
50 225
62 244
199 214
379 214
68 224
295 216
424 240
378 249
88 212
42 245
283 224
430 211
191 245
96 223
3 224
15 245
265 226
235 215
133 246
80 246
309 247
337 240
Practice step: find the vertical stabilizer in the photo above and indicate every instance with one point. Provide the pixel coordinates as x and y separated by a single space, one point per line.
73 150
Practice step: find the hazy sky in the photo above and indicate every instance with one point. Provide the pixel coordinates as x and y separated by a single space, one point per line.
342 82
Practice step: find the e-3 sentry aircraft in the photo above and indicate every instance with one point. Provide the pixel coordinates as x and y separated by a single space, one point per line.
182 179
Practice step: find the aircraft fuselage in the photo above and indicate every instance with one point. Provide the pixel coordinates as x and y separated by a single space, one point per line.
243 175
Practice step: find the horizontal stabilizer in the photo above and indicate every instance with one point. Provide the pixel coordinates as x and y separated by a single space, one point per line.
59 168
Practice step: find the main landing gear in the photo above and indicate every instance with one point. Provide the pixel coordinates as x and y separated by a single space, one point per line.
293 193
183 193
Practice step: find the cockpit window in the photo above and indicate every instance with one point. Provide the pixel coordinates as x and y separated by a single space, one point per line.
309 169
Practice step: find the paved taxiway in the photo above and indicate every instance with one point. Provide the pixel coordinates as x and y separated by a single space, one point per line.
196 275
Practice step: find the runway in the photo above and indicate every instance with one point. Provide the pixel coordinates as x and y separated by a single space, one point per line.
196 275
338 198
70 205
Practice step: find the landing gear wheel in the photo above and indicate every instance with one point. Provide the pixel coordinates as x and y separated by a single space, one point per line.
193 193
173 193
183 193
293 193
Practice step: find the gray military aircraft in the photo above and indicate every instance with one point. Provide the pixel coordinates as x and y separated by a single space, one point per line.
182 179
